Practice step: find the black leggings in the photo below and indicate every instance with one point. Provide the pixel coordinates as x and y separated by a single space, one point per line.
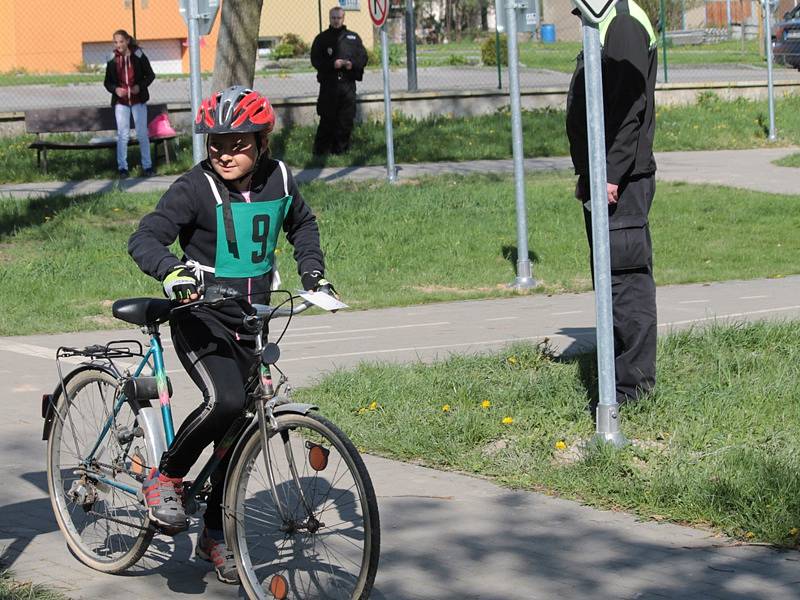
219 364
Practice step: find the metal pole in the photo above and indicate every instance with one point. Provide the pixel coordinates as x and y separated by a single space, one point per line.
770 85
607 408
728 18
133 15
319 14
411 47
664 40
497 54
387 106
524 279
683 15
196 89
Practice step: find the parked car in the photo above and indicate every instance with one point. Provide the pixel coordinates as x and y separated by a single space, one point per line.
786 39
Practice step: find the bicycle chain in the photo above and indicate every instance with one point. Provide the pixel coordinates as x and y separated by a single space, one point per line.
120 521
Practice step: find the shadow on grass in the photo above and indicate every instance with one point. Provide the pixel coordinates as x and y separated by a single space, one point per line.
511 254
35 211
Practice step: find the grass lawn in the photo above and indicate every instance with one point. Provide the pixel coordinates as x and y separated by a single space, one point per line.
63 261
793 160
717 445
10 589
711 124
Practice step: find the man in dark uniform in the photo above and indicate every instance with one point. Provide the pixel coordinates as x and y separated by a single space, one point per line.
629 62
339 57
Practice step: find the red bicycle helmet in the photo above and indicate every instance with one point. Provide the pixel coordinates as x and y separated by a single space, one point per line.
236 109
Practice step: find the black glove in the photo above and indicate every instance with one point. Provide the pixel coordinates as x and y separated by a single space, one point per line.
314 281
180 284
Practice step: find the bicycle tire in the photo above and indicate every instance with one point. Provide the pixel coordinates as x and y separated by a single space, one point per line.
106 528
276 558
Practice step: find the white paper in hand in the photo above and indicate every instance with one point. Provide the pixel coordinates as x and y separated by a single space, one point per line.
323 300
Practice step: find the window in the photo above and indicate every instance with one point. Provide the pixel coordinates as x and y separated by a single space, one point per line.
350 4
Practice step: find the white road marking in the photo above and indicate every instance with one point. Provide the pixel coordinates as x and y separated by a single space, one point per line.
694 301
417 348
753 297
311 328
567 312
731 315
502 318
387 328
311 342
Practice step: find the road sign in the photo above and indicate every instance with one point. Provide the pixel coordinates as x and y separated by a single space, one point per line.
206 10
594 10
378 11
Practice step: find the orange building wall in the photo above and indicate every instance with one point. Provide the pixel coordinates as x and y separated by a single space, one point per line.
47 35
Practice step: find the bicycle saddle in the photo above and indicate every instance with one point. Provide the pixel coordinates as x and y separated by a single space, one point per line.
142 311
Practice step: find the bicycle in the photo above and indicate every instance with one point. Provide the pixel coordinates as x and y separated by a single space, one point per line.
300 512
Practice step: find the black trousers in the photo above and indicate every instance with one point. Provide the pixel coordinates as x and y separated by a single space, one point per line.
336 107
633 290
219 364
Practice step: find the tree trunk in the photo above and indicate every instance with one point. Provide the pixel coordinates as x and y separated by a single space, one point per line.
237 44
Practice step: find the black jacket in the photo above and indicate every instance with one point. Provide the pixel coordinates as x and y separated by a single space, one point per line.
143 76
338 43
187 212
629 81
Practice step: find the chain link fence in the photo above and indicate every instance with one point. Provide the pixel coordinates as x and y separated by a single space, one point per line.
701 41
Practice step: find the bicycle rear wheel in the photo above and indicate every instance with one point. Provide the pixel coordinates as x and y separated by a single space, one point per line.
308 527
105 526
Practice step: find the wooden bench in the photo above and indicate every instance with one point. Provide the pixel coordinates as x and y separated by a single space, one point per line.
80 120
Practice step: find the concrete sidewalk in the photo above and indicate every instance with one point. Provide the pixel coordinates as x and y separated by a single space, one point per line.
747 169
445 536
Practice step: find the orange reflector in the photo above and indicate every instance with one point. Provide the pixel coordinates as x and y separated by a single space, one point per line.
317 457
137 462
278 587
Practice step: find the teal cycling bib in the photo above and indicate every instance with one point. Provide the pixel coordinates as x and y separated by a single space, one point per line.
257 225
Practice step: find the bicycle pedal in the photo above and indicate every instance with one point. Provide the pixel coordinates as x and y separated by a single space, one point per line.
168 530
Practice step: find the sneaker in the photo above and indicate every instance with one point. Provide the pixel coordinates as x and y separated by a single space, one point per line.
216 551
162 496
123 173
149 172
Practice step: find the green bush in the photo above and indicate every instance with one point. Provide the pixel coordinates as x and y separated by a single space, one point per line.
395 56
283 51
457 59
489 51
299 47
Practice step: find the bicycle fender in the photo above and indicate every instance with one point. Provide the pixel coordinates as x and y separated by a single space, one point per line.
49 401
294 407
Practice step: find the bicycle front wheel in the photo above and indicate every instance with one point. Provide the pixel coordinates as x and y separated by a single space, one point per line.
307 526
91 474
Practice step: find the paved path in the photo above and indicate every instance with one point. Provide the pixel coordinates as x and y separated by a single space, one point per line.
429 79
445 535
748 169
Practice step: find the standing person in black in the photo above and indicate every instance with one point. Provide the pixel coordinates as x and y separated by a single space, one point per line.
629 62
339 57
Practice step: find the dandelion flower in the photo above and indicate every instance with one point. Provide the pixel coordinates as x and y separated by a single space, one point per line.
373 406
507 420
794 531
485 404
512 360
749 535
446 408
560 445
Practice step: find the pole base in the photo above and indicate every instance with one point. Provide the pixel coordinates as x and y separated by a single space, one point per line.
523 283
608 426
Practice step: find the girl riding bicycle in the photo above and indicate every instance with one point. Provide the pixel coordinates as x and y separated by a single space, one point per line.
227 213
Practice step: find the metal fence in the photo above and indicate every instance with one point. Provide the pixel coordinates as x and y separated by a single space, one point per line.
701 41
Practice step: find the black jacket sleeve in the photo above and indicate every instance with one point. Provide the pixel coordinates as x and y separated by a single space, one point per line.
625 67
320 59
110 81
300 226
147 76
149 244
359 60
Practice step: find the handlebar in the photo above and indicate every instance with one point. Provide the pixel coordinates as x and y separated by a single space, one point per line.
216 295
